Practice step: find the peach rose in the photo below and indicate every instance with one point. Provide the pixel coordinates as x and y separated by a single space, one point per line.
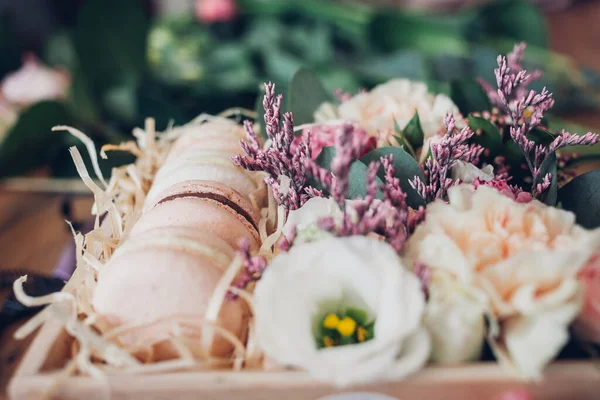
395 101
524 258
588 323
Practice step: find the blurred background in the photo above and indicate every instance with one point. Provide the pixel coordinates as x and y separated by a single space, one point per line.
103 66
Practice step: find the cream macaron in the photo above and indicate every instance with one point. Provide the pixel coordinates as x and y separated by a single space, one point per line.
220 135
203 165
167 272
206 206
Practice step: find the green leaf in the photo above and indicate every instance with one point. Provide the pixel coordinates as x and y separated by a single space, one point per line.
305 95
81 99
435 35
110 41
360 316
325 157
469 96
413 132
582 197
356 178
515 19
121 102
486 134
60 51
406 168
407 64
31 142
549 166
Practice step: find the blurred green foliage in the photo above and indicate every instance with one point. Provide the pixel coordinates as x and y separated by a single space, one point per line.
127 66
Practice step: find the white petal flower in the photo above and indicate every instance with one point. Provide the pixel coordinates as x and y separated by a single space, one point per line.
312 280
468 172
305 219
393 102
454 316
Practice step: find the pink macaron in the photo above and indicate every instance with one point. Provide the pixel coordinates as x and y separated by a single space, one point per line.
220 135
204 166
164 273
206 206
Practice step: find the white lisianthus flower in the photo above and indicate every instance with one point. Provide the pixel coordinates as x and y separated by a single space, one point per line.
304 219
467 172
35 82
525 257
454 316
302 291
397 100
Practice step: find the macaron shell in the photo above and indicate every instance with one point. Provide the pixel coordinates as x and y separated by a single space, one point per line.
224 173
211 134
202 214
210 188
146 284
227 145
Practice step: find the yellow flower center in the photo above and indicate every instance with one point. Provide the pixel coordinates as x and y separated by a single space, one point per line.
331 321
347 326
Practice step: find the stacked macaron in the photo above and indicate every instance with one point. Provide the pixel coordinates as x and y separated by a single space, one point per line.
194 216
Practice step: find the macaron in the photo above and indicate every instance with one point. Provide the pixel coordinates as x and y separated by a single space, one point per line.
205 206
204 166
165 273
220 135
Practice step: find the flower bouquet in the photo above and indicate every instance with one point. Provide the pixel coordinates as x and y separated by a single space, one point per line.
355 240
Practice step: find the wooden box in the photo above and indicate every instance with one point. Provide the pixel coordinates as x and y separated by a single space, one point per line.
479 381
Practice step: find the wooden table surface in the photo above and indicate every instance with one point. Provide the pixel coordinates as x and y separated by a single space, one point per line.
32 228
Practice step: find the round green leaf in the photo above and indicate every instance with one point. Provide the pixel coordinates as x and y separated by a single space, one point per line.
582 197
305 95
486 134
406 168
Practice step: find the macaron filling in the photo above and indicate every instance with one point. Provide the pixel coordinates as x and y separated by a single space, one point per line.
215 197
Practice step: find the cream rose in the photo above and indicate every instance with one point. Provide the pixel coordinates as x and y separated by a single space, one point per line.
524 257
303 289
397 100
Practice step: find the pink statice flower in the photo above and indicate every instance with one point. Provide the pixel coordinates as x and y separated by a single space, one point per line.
501 185
210 11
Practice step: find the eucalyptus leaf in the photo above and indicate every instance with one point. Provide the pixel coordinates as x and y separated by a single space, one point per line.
31 143
549 197
582 197
406 168
357 177
325 157
305 95
486 134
